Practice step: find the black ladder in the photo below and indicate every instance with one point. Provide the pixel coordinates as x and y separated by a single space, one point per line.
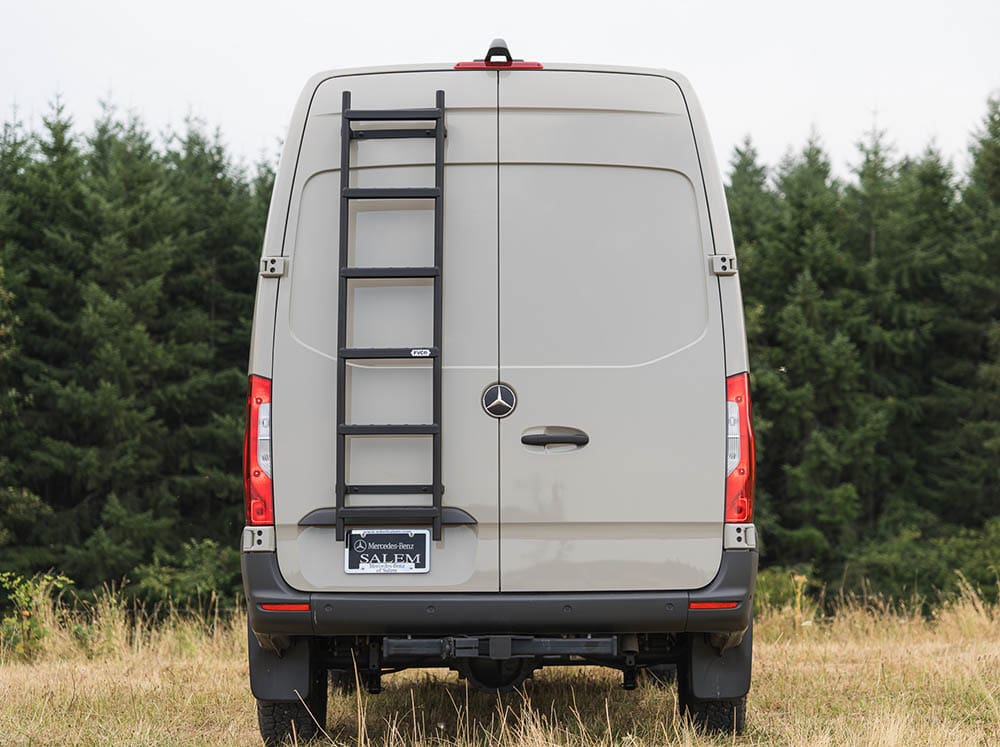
399 515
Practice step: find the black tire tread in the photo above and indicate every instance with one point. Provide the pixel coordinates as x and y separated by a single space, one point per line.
717 716
276 718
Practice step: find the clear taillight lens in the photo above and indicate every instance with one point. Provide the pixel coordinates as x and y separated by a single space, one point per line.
257 486
739 450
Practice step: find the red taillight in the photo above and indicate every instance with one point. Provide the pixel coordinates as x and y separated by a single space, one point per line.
257 486
739 450
712 605
304 607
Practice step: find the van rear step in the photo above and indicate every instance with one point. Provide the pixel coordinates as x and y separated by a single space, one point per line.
344 514
498 647
387 515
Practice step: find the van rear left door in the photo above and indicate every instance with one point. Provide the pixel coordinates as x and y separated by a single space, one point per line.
389 314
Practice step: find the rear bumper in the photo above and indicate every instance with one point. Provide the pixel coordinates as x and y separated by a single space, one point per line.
430 613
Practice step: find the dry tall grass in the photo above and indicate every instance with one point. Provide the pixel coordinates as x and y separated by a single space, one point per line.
865 676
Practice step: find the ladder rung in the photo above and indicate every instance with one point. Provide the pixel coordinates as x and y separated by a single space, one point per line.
391 134
387 489
426 429
391 193
388 515
393 115
402 353
389 272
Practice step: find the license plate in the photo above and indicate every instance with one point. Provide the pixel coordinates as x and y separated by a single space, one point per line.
387 551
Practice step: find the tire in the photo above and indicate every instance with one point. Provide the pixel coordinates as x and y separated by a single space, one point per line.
715 716
293 722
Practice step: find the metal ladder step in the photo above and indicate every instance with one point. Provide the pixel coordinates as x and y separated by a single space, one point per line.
389 429
392 134
391 193
393 115
394 353
388 489
384 273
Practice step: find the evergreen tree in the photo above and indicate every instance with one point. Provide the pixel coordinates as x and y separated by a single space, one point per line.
117 378
969 383
18 507
45 251
207 327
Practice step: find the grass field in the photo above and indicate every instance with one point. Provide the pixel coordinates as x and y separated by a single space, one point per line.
864 676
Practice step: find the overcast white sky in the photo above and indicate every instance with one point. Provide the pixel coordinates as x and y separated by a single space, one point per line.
773 70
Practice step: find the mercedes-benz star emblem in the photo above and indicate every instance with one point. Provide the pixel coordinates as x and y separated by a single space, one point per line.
360 546
499 400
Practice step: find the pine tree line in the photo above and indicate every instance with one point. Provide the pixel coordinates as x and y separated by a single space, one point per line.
874 322
127 272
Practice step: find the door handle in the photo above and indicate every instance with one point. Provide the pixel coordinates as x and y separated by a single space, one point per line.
556 439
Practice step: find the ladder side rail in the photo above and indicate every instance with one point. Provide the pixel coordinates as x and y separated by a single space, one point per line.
438 310
345 183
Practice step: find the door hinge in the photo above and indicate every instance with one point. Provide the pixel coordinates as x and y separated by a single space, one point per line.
724 264
273 267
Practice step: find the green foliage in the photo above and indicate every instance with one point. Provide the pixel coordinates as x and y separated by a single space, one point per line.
912 563
201 569
25 625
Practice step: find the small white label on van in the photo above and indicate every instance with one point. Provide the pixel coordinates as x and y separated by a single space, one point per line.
420 353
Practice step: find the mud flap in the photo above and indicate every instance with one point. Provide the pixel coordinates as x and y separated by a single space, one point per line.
715 676
284 677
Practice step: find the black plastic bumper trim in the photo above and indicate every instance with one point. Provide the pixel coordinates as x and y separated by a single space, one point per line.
382 613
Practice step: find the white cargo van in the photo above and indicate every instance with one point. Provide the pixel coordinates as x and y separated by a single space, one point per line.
498 411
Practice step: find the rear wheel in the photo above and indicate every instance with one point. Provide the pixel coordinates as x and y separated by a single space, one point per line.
283 722
719 716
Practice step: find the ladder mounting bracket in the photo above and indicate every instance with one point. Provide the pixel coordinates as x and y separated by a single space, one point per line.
273 267
724 264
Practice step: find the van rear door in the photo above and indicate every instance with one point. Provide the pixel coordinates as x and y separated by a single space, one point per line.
384 314
611 331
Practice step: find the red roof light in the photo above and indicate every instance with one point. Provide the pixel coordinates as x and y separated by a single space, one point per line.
498 49
503 65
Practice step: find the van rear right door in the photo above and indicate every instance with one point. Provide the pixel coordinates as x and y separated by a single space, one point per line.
610 327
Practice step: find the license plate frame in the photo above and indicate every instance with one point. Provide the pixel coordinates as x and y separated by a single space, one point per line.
387 551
